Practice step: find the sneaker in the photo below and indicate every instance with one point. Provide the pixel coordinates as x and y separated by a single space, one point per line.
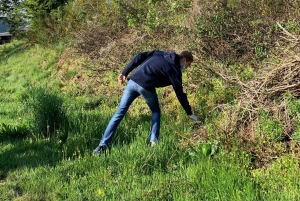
100 150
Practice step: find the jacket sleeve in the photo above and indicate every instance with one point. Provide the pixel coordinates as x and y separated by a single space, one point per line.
136 61
181 96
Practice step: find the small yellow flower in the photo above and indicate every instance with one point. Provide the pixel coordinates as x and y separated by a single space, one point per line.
100 192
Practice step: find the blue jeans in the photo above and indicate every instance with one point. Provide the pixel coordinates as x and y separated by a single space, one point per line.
132 91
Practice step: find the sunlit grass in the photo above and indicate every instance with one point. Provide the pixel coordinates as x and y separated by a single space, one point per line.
38 167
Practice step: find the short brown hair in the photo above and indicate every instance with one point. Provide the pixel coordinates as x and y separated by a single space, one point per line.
188 55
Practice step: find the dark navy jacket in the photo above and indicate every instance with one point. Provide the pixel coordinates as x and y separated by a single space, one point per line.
158 69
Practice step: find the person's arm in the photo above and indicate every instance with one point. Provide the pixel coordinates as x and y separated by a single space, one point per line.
136 61
181 96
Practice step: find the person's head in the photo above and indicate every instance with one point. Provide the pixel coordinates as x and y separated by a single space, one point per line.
186 59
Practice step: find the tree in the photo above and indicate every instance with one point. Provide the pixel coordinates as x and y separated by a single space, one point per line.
42 8
17 21
14 15
46 19
7 5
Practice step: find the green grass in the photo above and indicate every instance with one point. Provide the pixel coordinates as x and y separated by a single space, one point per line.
128 172
22 67
34 167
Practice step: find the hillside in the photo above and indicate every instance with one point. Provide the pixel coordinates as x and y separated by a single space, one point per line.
59 89
246 67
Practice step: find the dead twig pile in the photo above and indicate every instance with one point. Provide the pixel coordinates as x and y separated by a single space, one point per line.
267 92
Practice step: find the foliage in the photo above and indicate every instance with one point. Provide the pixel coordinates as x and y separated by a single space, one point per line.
282 173
269 127
236 152
16 21
46 107
12 12
7 5
240 30
39 8
294 110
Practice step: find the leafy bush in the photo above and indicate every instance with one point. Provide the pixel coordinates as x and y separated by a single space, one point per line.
241 30
46 21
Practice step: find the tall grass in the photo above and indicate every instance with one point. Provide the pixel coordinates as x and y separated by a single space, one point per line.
77 103
46 107
127 172
35 169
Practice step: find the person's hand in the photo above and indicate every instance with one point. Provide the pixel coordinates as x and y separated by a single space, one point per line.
121 79
194 117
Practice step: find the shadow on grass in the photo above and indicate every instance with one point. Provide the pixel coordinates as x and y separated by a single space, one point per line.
20 153
130 127
31 153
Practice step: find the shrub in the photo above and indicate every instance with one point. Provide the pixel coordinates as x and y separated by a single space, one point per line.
241 30
46 108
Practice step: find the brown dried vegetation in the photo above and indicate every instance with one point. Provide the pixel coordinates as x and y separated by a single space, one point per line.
268 92
243 32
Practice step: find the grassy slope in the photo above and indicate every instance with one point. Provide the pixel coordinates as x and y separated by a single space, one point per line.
20 69
38 169
35 168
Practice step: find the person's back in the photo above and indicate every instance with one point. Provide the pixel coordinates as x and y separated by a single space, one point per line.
157 70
